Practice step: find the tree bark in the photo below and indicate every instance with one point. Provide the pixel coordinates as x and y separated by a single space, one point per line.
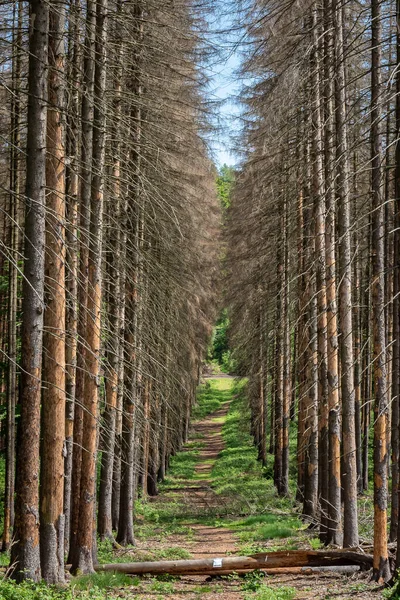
381 559
25 554
334 533
15 188
53 398
349 479
83 560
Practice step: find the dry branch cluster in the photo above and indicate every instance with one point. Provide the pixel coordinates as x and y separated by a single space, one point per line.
314 254
109 230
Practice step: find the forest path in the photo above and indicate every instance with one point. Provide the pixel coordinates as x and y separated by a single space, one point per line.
189 519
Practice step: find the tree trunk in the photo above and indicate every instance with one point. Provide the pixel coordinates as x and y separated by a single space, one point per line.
72 258
112 351
25 555
83 561
86 185
349 479
53 399
320 258
15 188
381 560
334 533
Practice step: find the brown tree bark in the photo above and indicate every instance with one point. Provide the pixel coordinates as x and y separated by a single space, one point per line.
104 523
318 190
15 189
84 224
381 560
334 533
83 560
25 555
72 255
53 398
349 478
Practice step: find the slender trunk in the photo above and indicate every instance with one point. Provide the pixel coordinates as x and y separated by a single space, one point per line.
84 540
381 560
71 323
334 534
396 300
349 479
85 194
25 554
320 258
53 399
310 504
15 188
107 459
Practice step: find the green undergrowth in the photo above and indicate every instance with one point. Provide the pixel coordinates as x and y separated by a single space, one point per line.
237 474
211 396
107 554
9 590
255 588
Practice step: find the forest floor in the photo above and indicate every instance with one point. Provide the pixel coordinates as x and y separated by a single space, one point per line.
219 501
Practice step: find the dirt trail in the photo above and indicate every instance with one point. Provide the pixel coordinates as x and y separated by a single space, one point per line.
209 540
197 499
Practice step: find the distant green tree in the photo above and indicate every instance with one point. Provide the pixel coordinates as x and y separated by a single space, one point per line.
225 182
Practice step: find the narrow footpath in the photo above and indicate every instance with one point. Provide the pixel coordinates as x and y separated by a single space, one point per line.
199 515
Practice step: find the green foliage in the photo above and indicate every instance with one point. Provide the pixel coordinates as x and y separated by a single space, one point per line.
225 183
229 364
393 593
267 593
219 342
183 465
267 527
237 474
316 543
253 581
211 396
162 587
103 581
9 590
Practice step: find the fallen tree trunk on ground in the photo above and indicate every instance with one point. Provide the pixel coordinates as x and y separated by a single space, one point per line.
283 560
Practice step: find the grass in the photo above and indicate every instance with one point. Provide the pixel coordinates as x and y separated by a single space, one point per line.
211 396
268 593
237 474
9 590
255 589
104 581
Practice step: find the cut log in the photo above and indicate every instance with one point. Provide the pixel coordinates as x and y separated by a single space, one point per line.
337 569
230 564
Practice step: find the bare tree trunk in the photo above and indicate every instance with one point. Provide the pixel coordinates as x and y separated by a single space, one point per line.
86 185
15 188
381 560
334 533
349 479
396 300
319 223
25 552
83 561
310 504
107 460
53 399
72 196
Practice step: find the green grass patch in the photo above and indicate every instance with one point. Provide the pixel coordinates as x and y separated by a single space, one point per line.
211 396
268 593
9 590
103 581
237 474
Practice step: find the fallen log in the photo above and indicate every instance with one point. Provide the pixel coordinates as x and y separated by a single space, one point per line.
338 569
263 561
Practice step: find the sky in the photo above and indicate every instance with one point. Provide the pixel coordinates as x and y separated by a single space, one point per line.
224 87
